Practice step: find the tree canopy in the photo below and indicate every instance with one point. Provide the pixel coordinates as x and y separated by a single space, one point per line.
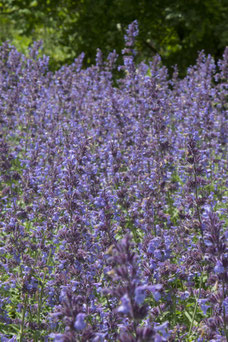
174 29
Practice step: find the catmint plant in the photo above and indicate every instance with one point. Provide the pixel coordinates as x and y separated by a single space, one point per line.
113 198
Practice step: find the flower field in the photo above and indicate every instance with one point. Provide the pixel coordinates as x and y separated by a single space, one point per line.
113 199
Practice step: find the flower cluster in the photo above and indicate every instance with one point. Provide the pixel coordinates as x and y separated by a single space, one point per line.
113 198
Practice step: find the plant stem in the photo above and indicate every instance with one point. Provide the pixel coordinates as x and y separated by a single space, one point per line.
196 303
224 313
40 300
23 318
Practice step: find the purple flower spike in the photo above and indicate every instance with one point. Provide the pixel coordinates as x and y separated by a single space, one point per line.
140 292
80 323
162 329
140 295
125 307
225 304
132 33
57 337
219 267
203 305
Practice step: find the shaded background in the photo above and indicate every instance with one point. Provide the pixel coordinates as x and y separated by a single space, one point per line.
176 29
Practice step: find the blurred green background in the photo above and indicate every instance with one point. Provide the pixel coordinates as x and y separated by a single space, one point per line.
176 29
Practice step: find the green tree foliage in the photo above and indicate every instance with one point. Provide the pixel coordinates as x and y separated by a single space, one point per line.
175 29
